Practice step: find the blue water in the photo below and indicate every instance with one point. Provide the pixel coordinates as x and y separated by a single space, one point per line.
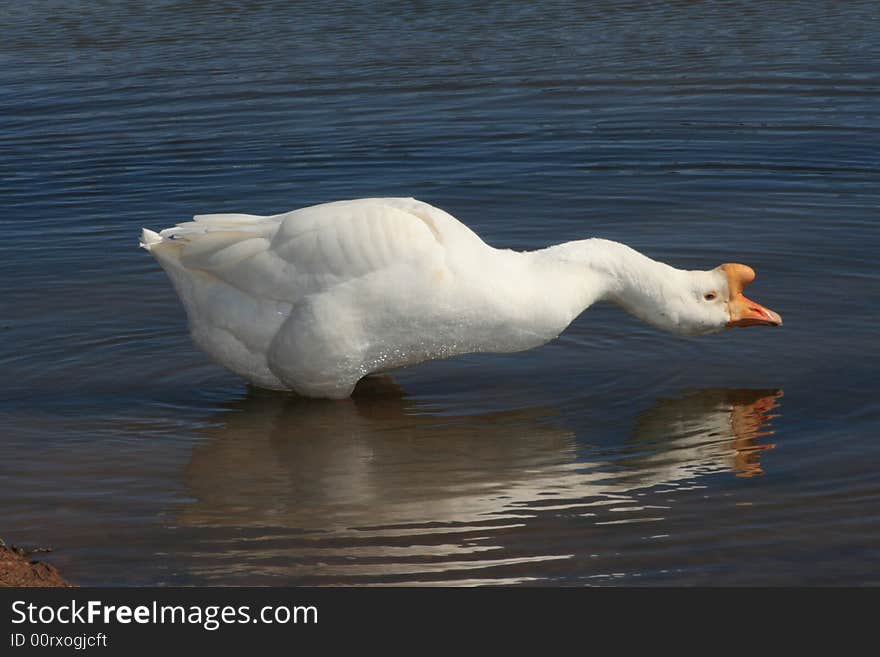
699 133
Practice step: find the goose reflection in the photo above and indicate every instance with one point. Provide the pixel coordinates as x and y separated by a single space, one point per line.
384 463
704 431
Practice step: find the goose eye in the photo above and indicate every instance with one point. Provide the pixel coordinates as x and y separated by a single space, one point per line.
709 296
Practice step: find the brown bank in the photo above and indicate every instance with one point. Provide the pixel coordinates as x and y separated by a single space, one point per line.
16 569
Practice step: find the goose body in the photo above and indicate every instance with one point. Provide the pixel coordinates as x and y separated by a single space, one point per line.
315 299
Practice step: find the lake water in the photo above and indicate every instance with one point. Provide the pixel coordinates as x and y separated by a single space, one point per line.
699 133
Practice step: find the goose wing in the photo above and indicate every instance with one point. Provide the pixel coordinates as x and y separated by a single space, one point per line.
310 250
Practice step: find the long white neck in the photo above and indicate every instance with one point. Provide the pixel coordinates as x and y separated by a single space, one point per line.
577 274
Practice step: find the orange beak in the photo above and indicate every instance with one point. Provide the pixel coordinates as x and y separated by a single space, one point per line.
744 311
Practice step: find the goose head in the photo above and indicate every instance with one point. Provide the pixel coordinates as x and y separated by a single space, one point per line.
713 301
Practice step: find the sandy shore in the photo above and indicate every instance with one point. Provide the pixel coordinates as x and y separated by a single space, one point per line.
17 569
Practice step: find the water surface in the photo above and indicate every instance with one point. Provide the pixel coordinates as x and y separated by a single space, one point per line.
698 133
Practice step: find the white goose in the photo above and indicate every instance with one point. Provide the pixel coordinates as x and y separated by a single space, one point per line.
315 299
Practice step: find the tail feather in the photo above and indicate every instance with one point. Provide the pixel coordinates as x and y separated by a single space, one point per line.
211 240
149 238
209 223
